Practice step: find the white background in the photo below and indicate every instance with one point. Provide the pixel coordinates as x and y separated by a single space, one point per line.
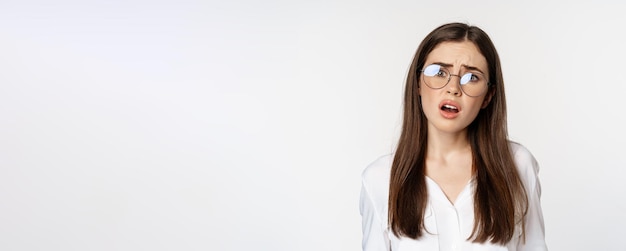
245 125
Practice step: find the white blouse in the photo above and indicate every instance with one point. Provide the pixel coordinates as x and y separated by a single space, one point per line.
448 225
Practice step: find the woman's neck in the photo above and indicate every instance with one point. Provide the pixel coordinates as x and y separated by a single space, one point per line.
441 144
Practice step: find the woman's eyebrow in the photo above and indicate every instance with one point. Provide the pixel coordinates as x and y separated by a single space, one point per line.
443 64
473 68
469 67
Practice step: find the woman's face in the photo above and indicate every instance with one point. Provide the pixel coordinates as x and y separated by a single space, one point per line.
449 109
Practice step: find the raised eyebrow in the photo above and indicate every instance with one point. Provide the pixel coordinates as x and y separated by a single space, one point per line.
443 64
473 68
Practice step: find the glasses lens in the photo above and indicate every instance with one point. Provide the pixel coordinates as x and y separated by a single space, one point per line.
435 76
473 83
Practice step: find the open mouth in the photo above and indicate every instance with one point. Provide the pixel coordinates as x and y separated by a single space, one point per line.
450 108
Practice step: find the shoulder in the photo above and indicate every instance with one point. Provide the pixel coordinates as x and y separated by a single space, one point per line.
380 168
526 163
375 178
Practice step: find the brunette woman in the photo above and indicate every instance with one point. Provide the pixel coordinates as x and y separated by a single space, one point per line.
455 181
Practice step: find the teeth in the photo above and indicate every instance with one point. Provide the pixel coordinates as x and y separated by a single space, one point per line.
450 107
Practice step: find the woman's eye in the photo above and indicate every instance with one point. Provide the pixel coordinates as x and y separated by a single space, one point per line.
434 70
472 77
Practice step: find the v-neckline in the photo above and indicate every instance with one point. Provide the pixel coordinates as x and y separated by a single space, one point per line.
442 195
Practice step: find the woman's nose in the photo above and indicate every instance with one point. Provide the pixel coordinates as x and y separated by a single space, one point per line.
454 85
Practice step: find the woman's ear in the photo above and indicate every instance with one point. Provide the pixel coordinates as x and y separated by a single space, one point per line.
488 97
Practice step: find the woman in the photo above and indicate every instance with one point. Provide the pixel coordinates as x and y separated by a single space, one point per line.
455 182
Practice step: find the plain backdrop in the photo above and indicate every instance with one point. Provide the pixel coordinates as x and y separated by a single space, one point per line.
245 125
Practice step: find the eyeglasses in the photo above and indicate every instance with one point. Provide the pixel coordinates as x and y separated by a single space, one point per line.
473 83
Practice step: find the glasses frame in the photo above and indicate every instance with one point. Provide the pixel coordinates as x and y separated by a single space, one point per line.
450 77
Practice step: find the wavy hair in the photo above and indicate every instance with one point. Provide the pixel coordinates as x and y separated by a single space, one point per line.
500 200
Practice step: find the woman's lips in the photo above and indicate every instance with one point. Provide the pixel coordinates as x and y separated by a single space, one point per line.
449 109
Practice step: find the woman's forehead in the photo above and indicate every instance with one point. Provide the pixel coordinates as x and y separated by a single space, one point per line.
457 54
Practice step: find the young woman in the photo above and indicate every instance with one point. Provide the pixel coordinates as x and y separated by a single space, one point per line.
455 182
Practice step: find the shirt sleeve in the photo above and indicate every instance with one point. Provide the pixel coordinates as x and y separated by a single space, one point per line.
375 236
535 230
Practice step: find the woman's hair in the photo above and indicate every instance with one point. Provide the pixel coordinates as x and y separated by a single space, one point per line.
500 201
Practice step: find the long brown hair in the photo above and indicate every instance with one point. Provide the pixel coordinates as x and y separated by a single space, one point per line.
500 201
